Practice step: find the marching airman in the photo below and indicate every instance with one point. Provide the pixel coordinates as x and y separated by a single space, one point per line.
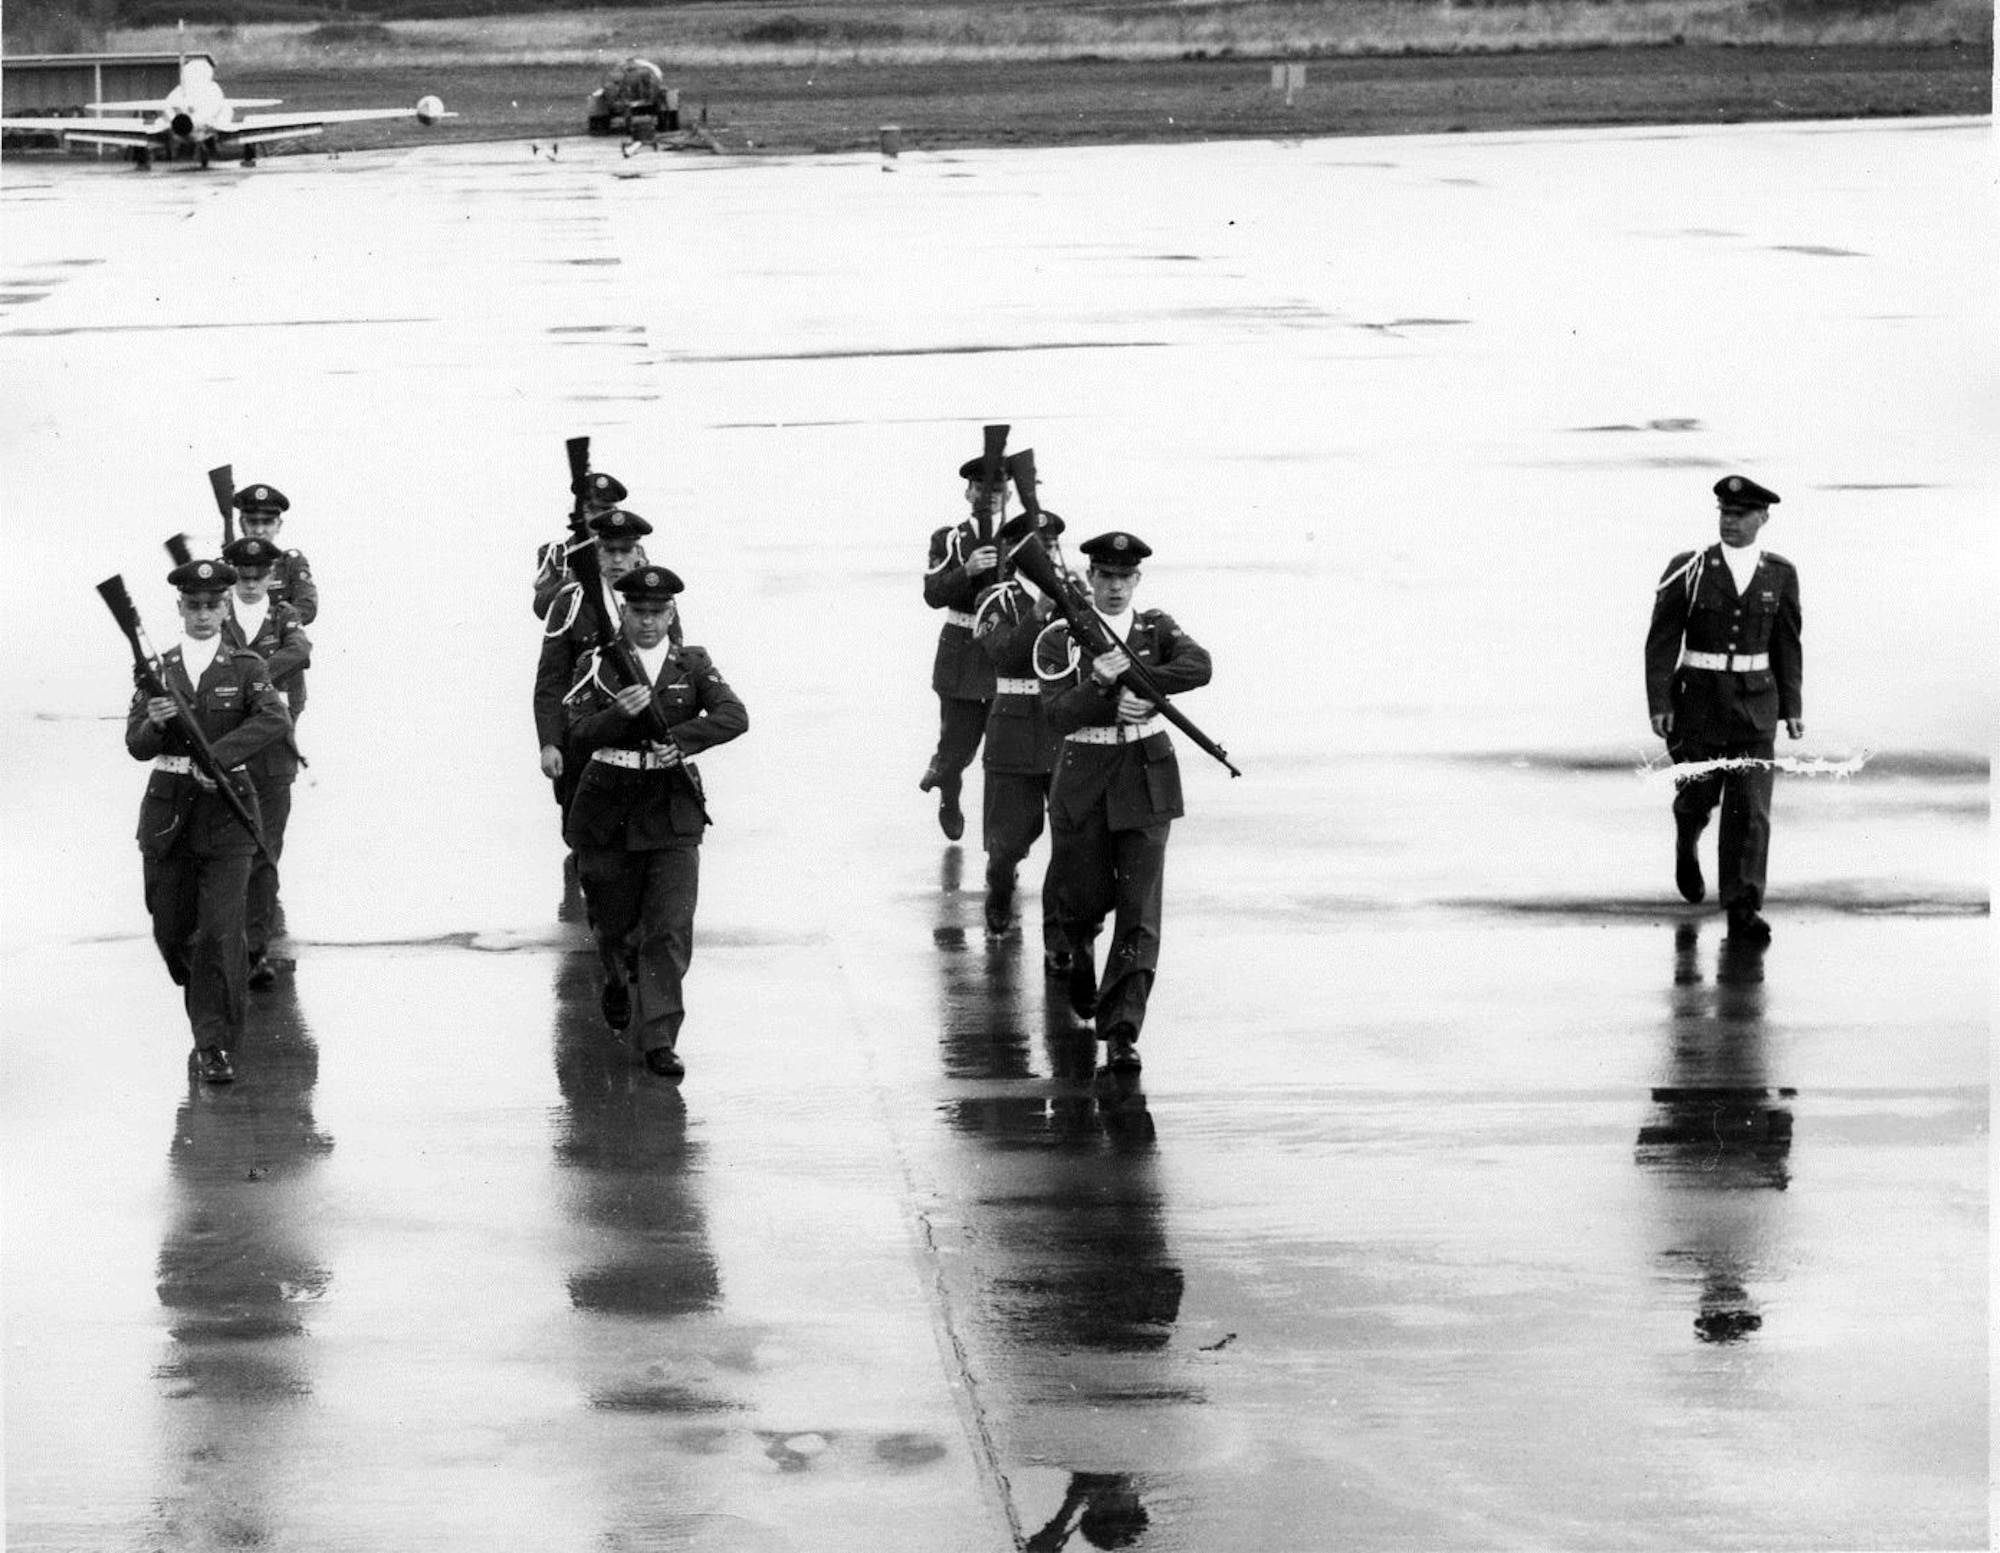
262 509
270 629
638 715
196 854
1724 666
601 493
1116 790
1019 755
963 562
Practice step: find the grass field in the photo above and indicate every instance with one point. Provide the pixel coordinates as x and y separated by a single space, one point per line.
902 32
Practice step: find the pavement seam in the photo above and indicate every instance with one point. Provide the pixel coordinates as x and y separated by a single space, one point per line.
963 1386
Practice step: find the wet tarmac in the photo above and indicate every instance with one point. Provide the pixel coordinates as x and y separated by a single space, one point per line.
1476 1193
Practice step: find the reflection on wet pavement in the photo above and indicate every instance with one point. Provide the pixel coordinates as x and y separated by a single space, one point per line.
1720 1130
240 1272
1062 1273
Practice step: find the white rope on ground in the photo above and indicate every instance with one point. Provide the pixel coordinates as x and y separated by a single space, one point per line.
1659 766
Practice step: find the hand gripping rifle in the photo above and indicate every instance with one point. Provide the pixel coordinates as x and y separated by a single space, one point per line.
150 673
222 481
1031 558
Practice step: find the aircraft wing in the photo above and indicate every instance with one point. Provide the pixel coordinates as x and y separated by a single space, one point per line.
101 132
154 105
281 126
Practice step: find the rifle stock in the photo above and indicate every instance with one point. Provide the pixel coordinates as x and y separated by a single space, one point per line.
179 550
222 481
578 449
150 673
1032 559
992 472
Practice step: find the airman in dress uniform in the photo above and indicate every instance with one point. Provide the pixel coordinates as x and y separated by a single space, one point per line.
1724 666
964 561
1116 791
636 818
601 493
1019 755
262 510
569 632
196 855
272 631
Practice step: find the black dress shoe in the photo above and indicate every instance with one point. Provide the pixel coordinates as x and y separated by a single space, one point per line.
214 1066
1687 870
951 818
262 971
1746 927
1121 1052
662 1063
616 1001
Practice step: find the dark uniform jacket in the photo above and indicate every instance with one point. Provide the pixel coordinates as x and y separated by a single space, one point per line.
1697 605
1018 736
639 810
292 583
569 633
240 712
286 650
960 671
1139 783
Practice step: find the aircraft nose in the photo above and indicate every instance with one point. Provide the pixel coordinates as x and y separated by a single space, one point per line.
429 110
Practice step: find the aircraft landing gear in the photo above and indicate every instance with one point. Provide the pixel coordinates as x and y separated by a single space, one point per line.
249 156
201 156
142 159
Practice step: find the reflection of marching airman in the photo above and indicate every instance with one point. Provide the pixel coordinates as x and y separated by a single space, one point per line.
263 509
963 562
1721 1133
569 631
601 493
1019 758
196 854
1116 791
637 815
1723 666
272 630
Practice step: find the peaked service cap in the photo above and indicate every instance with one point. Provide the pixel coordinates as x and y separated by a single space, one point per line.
202 576
649 585
1116 551
260 498
1742 491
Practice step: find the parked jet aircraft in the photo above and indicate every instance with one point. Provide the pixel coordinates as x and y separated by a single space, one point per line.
197 116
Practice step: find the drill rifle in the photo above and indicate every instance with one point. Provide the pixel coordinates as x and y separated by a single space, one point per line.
222 481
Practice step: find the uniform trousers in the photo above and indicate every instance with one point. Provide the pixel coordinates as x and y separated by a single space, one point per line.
197 905
642 908
961 725
1016 805
274 807
1100 871
1743 841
